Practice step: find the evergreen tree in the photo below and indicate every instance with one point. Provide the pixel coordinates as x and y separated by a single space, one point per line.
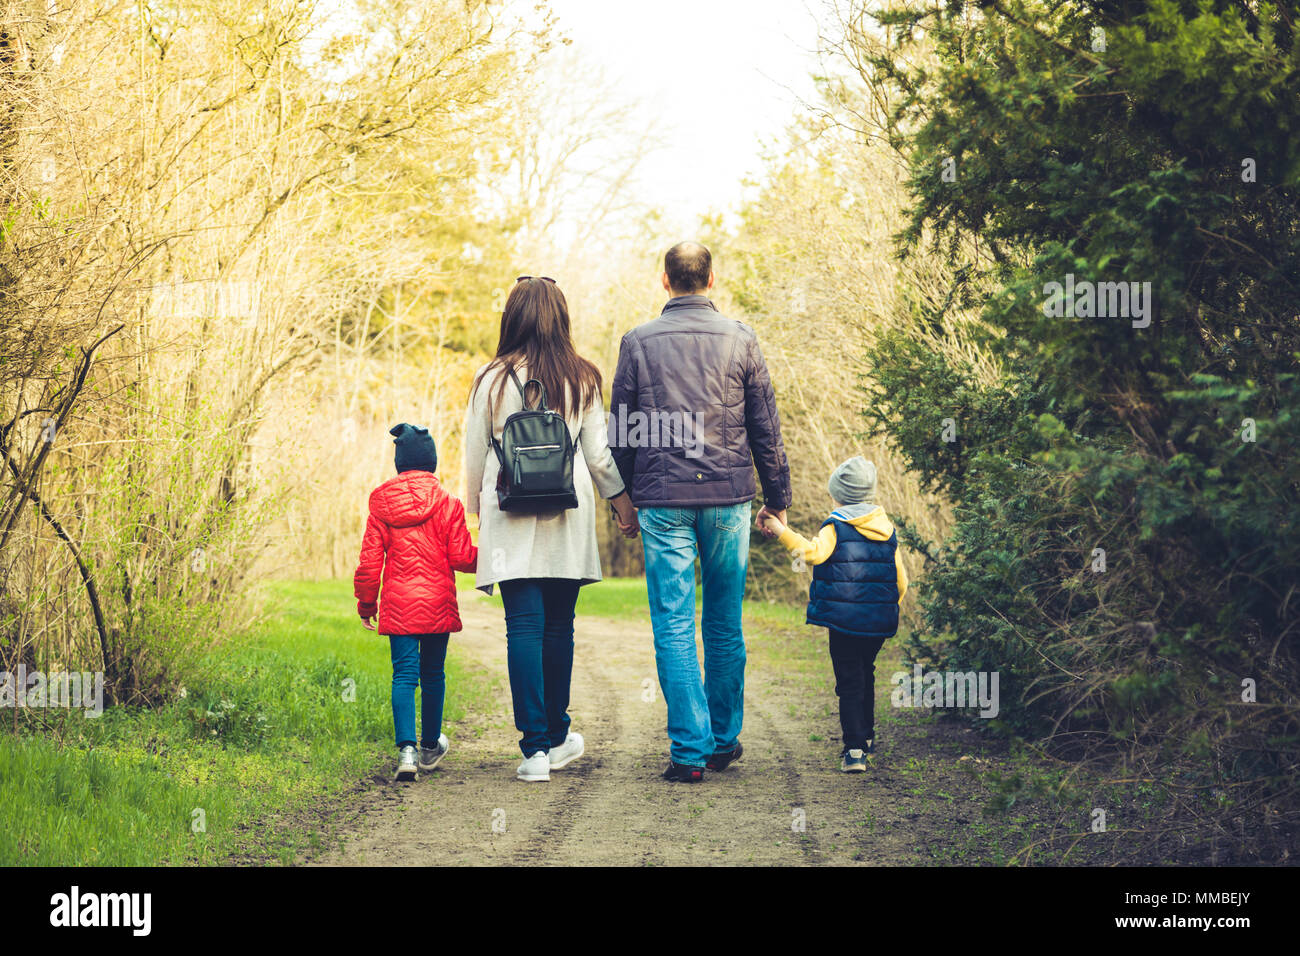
1125 551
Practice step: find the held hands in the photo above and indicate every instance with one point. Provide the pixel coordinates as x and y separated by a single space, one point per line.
624 514
771 523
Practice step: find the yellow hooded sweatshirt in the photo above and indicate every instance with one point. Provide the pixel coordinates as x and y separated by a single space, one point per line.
875 524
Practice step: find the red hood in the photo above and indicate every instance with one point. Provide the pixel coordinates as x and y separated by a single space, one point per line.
406 500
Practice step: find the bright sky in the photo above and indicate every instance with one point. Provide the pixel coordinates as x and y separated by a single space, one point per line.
722 77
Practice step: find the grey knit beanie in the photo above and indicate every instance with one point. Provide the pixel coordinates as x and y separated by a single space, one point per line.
853 482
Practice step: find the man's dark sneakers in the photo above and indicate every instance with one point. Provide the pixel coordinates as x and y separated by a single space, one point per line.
679 773
722 758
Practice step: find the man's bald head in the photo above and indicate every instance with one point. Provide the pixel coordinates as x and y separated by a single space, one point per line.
689 268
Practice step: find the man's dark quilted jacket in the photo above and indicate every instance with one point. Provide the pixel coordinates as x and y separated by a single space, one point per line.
696 384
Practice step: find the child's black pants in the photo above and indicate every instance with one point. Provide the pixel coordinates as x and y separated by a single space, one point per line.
854 660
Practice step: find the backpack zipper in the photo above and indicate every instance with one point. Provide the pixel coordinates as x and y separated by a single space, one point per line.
517 471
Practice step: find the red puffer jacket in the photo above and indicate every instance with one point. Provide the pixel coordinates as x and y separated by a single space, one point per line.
415 536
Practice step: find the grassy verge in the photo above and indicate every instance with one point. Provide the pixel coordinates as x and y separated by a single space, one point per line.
964 792
614 598
298 711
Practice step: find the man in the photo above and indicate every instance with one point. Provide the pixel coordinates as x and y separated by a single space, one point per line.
692 413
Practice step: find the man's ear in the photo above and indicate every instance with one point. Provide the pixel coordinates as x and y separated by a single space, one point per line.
664 279
712 277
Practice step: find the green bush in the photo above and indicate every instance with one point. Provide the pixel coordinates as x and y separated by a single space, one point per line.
1169 446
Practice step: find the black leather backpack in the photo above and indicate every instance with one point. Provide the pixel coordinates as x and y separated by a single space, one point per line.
536 457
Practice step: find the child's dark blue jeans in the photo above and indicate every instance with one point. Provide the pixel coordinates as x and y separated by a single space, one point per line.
854 661
418 659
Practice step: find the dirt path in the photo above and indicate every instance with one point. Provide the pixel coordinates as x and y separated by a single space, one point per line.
783 803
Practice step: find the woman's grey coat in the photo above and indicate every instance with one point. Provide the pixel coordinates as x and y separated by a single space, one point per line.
560 544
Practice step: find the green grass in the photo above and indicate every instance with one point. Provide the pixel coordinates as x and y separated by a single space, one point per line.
616 598
626 599
270 735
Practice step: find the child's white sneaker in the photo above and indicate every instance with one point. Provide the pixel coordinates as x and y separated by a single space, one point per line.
569 751
536 768
406 762
429 757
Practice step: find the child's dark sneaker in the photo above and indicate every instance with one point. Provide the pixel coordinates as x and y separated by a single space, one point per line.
870 748
680 773
406 763
429 756
722 758
854 761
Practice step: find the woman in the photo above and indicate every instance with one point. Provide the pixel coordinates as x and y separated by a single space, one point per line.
540 560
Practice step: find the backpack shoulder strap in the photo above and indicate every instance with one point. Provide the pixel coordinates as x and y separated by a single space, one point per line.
491 417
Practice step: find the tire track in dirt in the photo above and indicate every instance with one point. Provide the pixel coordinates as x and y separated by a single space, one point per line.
606 822
576 781
773 736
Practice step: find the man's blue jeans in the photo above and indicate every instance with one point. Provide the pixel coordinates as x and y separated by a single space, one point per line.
418 659
704 716
539 657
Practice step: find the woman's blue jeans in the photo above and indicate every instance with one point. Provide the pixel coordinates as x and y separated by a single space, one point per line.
539 657
418 659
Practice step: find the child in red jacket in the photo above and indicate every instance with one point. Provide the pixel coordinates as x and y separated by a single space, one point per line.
417 538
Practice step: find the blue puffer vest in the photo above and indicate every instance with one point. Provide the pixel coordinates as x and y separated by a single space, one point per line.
855 590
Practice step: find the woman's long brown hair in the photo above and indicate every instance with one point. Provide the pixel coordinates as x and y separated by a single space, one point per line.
535 334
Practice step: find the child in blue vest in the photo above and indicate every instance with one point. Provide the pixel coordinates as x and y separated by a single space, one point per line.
858 582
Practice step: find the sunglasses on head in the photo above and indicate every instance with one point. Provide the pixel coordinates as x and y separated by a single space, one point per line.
543 278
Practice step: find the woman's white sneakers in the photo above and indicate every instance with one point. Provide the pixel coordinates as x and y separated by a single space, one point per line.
535 768
567 752
538 767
